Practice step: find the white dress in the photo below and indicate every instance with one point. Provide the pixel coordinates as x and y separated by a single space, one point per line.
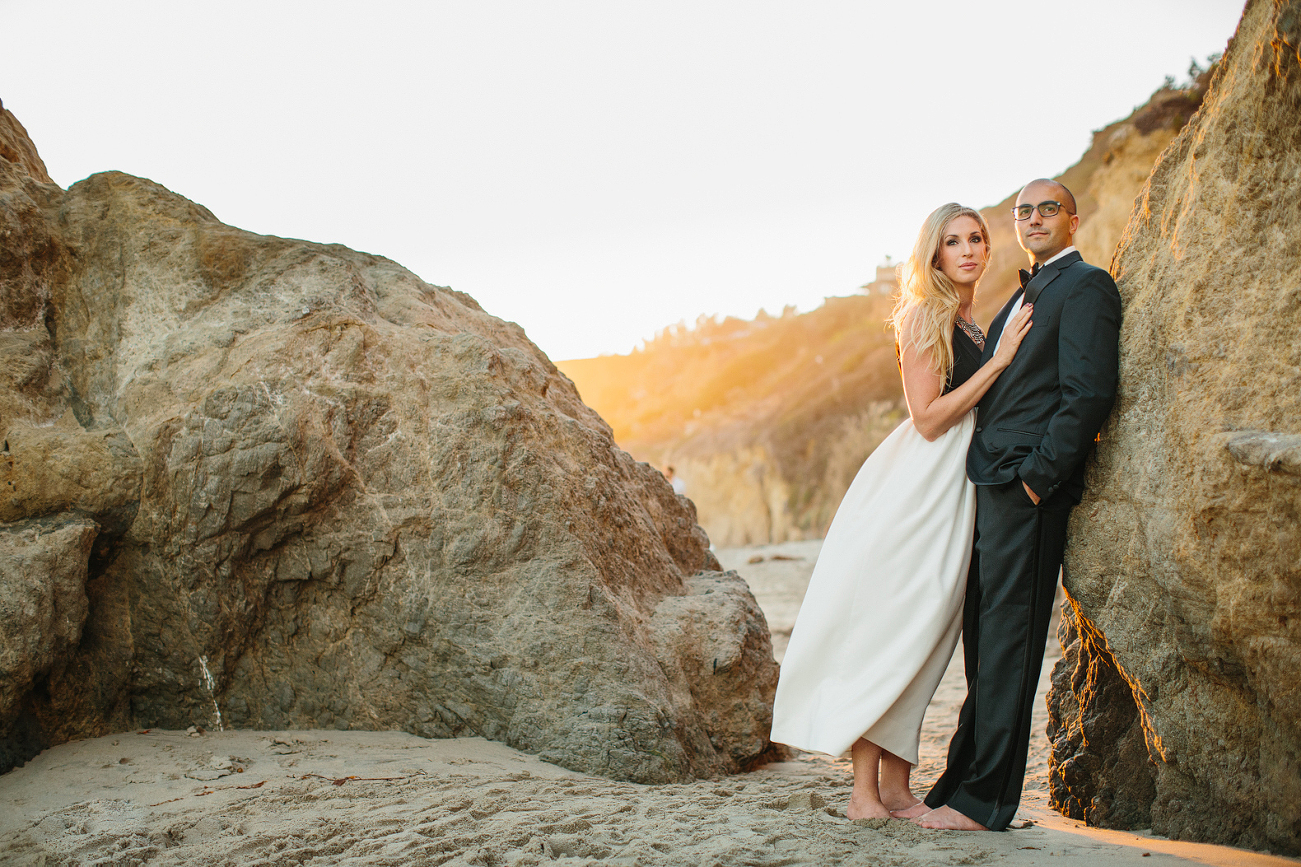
883 609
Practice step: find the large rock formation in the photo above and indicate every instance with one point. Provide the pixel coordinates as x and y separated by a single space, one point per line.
257 482
1179 701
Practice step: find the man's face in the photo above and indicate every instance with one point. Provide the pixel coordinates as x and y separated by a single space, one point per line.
1044 237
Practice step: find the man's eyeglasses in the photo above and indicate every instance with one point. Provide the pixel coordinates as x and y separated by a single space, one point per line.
1046 209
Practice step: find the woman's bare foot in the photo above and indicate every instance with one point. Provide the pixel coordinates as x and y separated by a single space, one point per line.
917 809
948 819
866 809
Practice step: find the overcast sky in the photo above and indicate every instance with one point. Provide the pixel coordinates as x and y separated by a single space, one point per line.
593 170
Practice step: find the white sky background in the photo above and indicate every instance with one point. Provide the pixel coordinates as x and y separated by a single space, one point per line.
593 170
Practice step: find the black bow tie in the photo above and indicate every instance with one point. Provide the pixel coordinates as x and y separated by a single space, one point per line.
1027 275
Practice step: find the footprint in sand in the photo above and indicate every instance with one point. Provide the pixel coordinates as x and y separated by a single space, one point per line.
573 846
804 801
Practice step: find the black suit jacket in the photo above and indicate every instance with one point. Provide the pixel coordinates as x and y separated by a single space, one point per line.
1040 418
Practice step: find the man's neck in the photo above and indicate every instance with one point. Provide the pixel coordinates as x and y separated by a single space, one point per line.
1070 248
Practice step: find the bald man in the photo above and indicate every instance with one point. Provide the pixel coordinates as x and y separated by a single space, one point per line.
1035 427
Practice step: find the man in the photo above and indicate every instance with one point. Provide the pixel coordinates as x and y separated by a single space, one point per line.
1035 427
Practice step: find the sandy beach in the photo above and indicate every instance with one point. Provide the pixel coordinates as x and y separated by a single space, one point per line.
389 798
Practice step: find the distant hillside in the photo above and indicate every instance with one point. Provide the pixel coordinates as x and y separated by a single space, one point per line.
743 408
768 420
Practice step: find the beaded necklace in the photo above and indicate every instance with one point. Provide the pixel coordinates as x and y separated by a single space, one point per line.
973 331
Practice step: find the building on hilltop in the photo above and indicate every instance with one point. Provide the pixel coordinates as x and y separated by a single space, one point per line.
887 279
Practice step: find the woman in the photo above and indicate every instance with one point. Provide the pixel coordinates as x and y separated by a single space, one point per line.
884 606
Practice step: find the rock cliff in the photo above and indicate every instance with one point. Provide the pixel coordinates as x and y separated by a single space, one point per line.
1178 702
257 482
767 421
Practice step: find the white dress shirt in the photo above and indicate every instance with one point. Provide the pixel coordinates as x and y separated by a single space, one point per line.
1021 300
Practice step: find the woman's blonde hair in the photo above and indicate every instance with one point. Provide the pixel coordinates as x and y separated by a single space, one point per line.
926 296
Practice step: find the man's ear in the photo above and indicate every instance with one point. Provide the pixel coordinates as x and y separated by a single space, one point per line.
1075 223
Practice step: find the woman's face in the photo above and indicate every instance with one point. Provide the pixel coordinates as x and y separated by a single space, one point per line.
963 252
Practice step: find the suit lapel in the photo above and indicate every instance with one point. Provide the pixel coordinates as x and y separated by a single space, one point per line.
996 327
1047 274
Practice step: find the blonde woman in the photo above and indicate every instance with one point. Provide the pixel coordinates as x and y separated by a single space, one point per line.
883 609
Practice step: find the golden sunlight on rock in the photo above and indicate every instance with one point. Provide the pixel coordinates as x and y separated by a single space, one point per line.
1177 705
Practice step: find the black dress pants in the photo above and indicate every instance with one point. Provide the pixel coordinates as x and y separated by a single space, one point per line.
1010 589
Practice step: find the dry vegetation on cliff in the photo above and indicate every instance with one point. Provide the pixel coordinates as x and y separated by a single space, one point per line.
744 408
768 420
